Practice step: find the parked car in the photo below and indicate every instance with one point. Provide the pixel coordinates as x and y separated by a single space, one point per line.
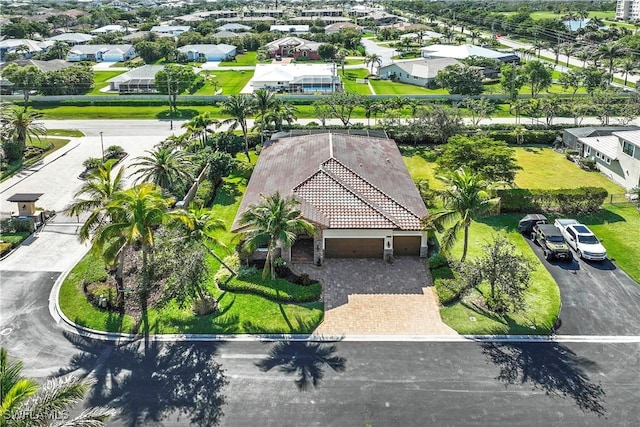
549 237
525 225
581 239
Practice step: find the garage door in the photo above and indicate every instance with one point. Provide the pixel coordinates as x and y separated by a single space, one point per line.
354 248
406 245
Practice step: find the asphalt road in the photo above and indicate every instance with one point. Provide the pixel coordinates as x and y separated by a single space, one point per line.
598 298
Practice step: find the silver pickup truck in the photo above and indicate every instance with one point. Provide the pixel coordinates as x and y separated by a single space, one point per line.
581 239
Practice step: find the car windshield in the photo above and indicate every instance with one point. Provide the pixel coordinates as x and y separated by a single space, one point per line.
589 239
556 239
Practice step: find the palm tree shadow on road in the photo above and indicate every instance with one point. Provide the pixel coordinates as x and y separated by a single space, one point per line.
148 384
307 360
552 368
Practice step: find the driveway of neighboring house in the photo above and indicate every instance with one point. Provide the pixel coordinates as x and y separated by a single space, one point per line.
370 296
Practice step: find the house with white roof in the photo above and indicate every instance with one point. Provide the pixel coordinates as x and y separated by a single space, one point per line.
295 78
72 39
465 51
290 29
615 150
208 52
26 47
418 72
174 30
109 29
138 80
102 53
234 27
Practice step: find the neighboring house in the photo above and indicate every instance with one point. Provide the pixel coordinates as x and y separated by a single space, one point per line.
208 52
419 72
142 34
338 26
138 80
102 53
291 29
465 51
296 78
202 16
356 190
6 87
25 47
120 5
264 13
44 66
234 27
616 151
380 17
321 12
228 35
110 29
174 30
409 27
293 47
72 39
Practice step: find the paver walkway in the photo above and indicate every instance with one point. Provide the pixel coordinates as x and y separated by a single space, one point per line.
369 296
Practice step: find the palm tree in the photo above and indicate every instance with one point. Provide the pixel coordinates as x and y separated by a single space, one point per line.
373 59
98 190
465 199
275 221
59 49
627 65
341 55
25 403
567 49
239 107
282 112
22 125
165 167
264 101
610 51
198 127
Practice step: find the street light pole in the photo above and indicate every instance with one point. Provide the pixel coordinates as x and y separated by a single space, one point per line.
102 146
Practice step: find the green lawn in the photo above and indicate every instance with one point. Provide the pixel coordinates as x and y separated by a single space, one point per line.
65 132
545 168
100 81
16 237
419 168
239 313
244 59
550 15
49 144
349 81
353 60
542 298
387 87
231 82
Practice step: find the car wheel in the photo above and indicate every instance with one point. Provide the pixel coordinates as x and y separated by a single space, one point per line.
579 254
548 255
533 238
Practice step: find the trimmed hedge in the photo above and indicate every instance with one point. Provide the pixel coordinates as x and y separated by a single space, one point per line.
567 201
546 137
278 290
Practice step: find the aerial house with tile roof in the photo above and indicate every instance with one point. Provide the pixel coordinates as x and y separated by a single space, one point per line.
355 189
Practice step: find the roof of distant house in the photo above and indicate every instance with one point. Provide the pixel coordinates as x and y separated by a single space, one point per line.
426 68
232 26
32 45
301 28
341 181
145 72
292 41
72 37
342 25
170 28
45 66
224 49
463 51
94 48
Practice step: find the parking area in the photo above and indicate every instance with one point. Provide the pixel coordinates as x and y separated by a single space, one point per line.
598 298
370 296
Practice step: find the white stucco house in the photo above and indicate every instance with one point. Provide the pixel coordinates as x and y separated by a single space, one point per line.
295 78
465 51
102 53
419 72
174 30
208 52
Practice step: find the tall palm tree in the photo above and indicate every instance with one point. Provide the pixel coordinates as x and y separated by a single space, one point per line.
274 221
341 56
22 125
609 52
264 101
25 403
282 112
96 192
373 59
240 108
567 49
165 167
628 65
465 199
198 127
59 49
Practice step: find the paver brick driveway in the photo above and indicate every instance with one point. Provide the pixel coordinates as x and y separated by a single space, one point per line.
370 296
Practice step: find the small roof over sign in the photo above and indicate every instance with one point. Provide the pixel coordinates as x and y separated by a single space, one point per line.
25 197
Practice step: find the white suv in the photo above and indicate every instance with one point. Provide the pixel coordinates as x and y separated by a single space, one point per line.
584 242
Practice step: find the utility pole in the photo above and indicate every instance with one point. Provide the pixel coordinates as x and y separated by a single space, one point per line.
170 103
102 146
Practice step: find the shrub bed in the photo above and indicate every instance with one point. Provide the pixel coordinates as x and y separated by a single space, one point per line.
278 290
567 201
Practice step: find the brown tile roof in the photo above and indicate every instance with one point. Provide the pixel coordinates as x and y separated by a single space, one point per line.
341 181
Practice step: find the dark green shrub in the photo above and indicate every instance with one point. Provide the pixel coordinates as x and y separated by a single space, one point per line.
23 224
32 152
449 290
13 150
438 261
92 163
569 201
114 152
278 290
587 164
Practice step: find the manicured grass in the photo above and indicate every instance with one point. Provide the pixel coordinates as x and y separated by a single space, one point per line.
14 238
349 81
230 81
387 87
542 298
49 144
615 225
546 169
420 168
65 132
244 59
353 60
239 313
96 112
100 81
